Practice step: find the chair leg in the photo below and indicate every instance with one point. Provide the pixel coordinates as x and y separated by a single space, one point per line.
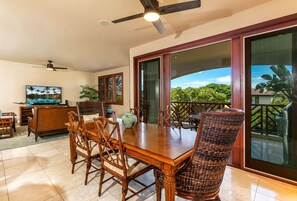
73 164
124 189
29 131
87 170
157 186
101 181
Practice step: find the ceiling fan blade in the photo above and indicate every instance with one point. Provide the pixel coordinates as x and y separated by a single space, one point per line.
179 7
159 26
149 3
128 18
59 67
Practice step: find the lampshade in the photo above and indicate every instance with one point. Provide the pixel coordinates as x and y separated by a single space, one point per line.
151 15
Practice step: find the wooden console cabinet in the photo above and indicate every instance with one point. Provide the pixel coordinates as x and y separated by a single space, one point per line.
25 112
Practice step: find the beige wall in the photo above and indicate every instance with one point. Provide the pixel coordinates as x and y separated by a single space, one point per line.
271 10
120 109
14 77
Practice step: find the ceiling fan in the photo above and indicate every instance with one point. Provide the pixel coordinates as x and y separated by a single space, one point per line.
50 66
152 12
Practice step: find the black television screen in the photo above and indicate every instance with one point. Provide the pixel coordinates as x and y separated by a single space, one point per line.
36 95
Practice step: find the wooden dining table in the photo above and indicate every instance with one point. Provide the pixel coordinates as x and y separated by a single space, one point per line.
164 147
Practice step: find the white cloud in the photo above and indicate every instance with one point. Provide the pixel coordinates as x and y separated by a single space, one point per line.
197 83
224 80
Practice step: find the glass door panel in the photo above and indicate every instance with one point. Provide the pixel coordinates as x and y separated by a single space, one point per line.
149 86
270 132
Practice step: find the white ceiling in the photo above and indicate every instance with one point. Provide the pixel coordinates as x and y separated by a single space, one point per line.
69 33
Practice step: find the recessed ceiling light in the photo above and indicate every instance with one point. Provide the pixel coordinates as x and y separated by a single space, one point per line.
104 22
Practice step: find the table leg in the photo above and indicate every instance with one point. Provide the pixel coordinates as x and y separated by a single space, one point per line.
169 186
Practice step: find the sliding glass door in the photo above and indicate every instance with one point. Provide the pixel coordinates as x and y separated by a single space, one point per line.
149 88
271 94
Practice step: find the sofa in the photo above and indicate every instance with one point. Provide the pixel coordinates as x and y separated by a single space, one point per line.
48 120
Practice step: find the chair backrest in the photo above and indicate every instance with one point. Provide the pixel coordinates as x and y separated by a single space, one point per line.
167 118
90 107
216 135
140 113
111 150
199 108
78 131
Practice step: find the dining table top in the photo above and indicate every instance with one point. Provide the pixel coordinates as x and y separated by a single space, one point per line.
155 141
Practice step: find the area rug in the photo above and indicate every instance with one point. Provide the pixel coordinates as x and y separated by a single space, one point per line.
21 139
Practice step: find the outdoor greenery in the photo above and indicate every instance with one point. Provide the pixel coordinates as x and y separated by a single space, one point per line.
89 92
209 93
280 83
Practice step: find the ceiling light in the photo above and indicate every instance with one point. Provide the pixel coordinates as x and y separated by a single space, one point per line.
151 15
104 22
50 68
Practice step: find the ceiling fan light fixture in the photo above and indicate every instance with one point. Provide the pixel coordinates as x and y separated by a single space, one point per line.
51 69
151 15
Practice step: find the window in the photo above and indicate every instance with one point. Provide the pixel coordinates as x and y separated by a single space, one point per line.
111 88
257 98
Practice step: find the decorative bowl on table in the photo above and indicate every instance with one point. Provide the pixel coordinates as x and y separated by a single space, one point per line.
129 120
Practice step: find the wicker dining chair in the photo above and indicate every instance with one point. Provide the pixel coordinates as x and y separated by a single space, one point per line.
140 113
201 176
88 149
115 161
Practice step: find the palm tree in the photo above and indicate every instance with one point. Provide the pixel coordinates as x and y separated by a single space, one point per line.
280 82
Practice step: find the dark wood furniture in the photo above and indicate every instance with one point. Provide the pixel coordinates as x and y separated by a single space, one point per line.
49 120
6 130
88 149
200 178
140 113
91 107
116 162
163 147
25 112
11 114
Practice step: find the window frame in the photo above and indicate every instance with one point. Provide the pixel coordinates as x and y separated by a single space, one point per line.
105 78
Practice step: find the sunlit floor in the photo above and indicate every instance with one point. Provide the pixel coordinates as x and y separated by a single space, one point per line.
43 172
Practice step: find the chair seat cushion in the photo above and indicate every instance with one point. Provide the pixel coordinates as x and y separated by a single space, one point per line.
95 151
90 117
133 166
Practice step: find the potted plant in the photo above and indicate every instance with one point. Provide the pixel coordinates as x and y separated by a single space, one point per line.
89 92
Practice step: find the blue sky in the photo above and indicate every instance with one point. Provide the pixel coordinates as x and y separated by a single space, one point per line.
219 76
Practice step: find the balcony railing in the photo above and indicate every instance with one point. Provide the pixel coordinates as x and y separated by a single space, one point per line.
263 116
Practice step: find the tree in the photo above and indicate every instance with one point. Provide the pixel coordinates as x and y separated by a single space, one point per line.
280 83
208 93
179 95
89 92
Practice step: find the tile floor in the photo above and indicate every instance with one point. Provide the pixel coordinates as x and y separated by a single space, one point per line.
43 172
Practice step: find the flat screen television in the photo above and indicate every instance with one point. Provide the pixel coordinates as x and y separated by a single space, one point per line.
39 95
